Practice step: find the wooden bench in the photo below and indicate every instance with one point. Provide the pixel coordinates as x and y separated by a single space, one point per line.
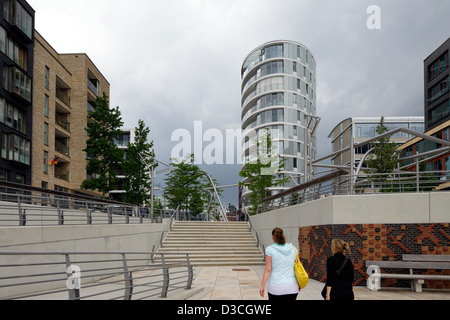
411 262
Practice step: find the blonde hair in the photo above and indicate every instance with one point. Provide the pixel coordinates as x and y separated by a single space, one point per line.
340 246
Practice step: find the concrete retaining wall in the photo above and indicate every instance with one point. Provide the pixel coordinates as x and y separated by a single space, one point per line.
377 227
359 209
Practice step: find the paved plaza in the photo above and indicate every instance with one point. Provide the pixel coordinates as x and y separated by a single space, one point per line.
243 283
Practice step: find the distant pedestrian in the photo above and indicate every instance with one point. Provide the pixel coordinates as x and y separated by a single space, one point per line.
340 273
279 272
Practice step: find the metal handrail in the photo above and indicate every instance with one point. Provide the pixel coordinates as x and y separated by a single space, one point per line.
364 183
253 229
174 216
22 205
91 275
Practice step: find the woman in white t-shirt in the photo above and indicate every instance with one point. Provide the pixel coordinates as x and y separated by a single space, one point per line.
279 271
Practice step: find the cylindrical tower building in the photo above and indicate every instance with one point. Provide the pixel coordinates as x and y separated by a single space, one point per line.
279 94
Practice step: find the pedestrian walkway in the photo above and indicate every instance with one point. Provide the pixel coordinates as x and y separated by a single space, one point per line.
243 283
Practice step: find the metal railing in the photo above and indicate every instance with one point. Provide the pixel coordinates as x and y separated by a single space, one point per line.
91 276
398 182
22 205
175 216
259 244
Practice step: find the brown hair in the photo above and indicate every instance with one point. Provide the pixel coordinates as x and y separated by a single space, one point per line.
279 236
340 246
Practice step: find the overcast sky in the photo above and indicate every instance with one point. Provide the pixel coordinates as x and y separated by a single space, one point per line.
174 62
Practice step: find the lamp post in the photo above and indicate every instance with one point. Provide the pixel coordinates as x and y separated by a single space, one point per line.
153 175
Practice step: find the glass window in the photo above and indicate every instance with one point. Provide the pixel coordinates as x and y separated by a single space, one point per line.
437 67
4 146
10 49
365 130
274 51
47 77
447 167
16 15
272 67
2 40
46 134
438 90
16 148
12 116
45 162
439 112
276 99
46 105
3 175
17 82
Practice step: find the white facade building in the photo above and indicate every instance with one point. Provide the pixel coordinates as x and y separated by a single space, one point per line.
279 94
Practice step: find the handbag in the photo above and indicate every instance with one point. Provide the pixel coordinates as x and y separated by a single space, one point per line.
324 290
300 272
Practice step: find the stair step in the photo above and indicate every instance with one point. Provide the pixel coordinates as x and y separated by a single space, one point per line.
210 236
211 243
212 259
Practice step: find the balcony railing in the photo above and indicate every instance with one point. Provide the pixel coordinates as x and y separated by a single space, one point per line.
441 93
62 174
93 86
63 122
62 147
340 184
63 95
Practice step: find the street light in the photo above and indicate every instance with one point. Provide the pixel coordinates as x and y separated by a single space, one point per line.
153 175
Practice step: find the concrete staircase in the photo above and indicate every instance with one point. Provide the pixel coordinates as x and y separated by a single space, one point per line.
213 244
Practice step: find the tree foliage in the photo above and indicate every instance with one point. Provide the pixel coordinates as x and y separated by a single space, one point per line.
102 154
385 155
137 167
384 159
185 187
261 174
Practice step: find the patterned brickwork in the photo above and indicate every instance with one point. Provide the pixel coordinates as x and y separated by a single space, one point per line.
385 242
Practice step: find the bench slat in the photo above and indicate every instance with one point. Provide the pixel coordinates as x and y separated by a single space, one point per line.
410 265
411 276
426 257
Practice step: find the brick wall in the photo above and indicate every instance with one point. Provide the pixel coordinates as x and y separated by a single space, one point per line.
385 242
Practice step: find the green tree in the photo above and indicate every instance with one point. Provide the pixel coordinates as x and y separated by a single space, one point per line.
185 185
137 167
384 159
102 154
260 175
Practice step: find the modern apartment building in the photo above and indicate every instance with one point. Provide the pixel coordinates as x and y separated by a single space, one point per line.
436 84
65 87
437 117
16 96
127 136
438 160
359 129
279 93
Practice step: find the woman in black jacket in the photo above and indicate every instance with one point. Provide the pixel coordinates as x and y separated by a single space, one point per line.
340 273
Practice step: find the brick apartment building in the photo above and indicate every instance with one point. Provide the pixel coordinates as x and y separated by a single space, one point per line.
65 87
